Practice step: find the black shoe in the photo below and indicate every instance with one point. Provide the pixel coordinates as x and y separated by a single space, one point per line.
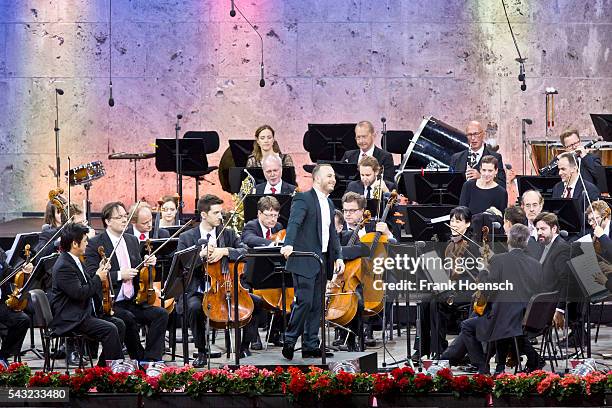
60 352
315 353
370 341
200 361
245 352
257 344
74 359
288 350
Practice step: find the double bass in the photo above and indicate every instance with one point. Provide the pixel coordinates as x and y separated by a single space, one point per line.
342 301
373 299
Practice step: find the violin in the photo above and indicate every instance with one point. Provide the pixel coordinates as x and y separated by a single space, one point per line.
16 301
373 299
108 297
343 302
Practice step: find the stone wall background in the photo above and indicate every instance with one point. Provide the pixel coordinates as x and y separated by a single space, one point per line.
326 61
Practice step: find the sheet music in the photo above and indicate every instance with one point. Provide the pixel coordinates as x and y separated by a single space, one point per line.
585 266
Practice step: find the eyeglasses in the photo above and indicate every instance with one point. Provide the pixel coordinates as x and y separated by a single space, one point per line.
573 145
120 217
350 211
474 134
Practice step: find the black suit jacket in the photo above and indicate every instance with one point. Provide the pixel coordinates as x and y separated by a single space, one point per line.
163 233
286 188
92 258
357 186
459 161
5 270
72 293
228 239
304 234
252 235
385 159
590 168
504 318
592 191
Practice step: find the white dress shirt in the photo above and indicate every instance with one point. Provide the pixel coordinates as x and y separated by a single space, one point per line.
478 152
137 234
277 187
80 266
325 219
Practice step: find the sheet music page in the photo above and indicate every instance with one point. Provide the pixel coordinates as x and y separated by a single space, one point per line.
585 266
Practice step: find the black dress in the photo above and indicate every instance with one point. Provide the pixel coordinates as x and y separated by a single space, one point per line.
479 200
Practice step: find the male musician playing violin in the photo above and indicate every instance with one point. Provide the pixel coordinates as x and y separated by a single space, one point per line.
311 229
216 247
125 284
16 322
73 294
260 232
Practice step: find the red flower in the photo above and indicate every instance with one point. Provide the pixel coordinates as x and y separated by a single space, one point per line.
461 383
445 373
422 381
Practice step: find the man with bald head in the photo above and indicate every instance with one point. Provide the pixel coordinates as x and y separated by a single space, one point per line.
468 161
532 202
272 167
365 135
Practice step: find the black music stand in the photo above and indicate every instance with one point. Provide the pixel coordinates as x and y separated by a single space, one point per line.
43 265
21 240
268 272
603 125
179 277
250 207
543 184
432 187
237 175
164 256
397 141
420 222
191 159
567 211
329 141
241 150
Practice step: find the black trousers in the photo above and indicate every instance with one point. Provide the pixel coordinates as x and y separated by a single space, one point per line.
18 324
154 317
305 319
105 332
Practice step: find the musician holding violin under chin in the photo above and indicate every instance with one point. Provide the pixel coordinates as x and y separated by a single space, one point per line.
125 281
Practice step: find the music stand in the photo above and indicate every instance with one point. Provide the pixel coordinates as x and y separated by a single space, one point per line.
543 184
329 141
432 187
268 272
164 256
420 222
397 141
191 159
241 150
14 256
179 277
237 175
250 207
603 125
567 211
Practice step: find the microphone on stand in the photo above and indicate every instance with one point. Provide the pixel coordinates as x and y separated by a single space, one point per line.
262 81
111 100
528 121
232 11
59 91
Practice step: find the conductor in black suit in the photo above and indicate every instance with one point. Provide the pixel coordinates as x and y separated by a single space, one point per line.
73 293
503 318
311 229
590 165
273 171
141 224
364 136
258 232
468 161
125 281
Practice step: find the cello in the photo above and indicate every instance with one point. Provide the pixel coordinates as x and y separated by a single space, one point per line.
373 298
342 297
